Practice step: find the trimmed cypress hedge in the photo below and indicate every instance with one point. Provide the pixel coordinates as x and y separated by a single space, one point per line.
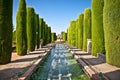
97 27
37 30
31 29
111 18
14 36
76 34
5 30
80 31
49 35
86 28
53 37
64 36
40 28
73 33
21 37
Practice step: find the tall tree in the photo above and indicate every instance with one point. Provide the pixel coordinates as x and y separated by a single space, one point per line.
49 34
37 30
31 29
80 31
86 28
97 27
73 33
21 37
5 30
111 18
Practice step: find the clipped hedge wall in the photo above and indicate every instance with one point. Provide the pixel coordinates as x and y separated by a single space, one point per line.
97 27
5 30
37 30
21 37
73 33
111 18
31 29
80 31
86 28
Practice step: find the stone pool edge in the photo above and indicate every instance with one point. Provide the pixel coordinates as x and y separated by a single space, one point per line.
28 73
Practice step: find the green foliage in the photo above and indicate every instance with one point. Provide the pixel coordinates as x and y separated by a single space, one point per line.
53 36
5 30
21 37
86 28
73 33
111 18
49 35
40 28
14 36
97 27
37 30
64 36
80 31
31 29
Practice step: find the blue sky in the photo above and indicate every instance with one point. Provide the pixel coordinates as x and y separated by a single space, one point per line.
56 13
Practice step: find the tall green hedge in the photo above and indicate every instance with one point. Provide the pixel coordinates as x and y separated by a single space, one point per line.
76 34
97 27
31 29
52 37
5 30
49 35
21 37
14 36
86 28
73 33
111 18
40 28
80 31
37 30
64 36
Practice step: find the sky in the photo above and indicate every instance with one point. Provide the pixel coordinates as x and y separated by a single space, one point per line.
56 13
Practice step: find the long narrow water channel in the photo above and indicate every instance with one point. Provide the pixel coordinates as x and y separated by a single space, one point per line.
59 65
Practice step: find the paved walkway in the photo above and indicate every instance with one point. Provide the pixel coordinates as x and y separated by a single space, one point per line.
111 72
18 64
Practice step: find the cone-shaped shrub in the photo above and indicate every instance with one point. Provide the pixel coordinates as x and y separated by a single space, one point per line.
86 28
73 33
37 30
31 29
97 27
21 37
111 18
5 30
80 31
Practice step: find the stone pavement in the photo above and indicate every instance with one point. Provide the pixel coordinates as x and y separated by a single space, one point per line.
98 65
19 64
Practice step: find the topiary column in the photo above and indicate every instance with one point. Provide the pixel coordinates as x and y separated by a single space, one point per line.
49 35
31 29
97 27
73 33
37 30
80 31
21 37
111 18
5 30
86 28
